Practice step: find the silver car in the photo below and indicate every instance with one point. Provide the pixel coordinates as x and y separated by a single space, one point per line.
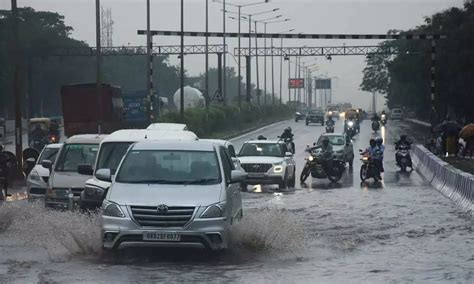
171 194
37 180
267 162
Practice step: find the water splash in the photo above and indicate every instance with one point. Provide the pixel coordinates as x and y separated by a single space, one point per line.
270 229
62 234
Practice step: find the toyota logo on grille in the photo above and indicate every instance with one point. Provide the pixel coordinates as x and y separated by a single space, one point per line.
162 208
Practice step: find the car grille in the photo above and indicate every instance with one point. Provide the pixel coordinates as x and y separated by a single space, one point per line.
256 168
46 179
173 217
38 191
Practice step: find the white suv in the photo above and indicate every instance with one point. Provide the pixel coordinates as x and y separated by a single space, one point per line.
172 194
267 162
111 151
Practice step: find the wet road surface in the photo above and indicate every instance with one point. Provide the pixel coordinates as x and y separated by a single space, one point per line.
399 230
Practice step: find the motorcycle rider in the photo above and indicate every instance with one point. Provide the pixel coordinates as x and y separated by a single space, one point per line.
288 135
402 142
38 134
375 118
375 155
326 154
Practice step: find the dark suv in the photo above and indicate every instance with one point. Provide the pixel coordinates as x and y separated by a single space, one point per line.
315 116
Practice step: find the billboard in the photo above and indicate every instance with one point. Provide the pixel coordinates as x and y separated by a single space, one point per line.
323 84
296 83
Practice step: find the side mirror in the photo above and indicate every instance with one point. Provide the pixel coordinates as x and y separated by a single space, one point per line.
86 170
237 176
104 175
30 161
288 154
47 164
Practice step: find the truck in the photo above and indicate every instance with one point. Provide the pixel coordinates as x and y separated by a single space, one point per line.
82 110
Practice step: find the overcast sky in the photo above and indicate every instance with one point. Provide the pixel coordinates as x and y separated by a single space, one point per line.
306 16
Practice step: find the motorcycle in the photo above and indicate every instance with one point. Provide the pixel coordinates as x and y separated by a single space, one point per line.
299 116
350 129
329 126
289 144
314 166
369 168
375 126
383 119
403 157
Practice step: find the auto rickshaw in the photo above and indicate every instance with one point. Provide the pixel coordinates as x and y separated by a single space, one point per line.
38 132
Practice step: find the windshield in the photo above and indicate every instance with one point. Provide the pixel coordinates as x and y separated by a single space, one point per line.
48 154
170 167
111 154
334 140
262 149
74 155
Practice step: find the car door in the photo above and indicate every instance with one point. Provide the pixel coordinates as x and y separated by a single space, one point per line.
234 199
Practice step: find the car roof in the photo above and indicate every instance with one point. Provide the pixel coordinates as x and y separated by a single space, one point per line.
135 135
174 145
332 134
85 139
168 126
219 142
53 146
265 141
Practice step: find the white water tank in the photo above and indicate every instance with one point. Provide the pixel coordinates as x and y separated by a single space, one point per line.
193 98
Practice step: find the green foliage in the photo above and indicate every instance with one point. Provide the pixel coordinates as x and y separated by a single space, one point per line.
227 118
405 78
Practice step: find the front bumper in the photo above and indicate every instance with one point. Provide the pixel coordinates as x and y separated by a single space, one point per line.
264 178
60 203
36 189
121 233
315 119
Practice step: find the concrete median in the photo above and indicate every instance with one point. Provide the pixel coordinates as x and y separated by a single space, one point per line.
451 182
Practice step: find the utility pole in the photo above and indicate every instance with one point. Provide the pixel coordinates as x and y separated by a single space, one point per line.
249 65
224 75
256 62
181 103
206 84
149 46
16 88
239 90
98 67
265 66
273 75
281 72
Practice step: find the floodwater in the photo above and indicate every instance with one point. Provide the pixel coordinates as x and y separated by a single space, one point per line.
400 230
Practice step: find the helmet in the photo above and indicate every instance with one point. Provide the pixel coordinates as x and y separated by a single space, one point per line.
379 140
325 141
372 142
261 137
288 129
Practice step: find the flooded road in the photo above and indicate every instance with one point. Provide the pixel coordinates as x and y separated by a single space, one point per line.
401 230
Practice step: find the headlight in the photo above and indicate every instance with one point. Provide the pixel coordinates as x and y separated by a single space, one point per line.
310 158
383 116
112 209
214 211
350 123
278 169
34 176
365 158
330 113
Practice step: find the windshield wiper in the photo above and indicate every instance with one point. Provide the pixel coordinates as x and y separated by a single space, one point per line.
201 181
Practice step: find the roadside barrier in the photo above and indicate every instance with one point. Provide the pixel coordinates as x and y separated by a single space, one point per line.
451 182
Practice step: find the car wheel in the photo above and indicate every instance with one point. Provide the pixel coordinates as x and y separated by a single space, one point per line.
243 187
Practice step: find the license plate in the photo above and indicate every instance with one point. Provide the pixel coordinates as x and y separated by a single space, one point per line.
256 175
164 237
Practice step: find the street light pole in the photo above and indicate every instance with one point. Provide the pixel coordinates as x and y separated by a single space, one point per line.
182 62
256 60
98 67
249 87
265 65
281 71
224 73
273 74
206 84
239 89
